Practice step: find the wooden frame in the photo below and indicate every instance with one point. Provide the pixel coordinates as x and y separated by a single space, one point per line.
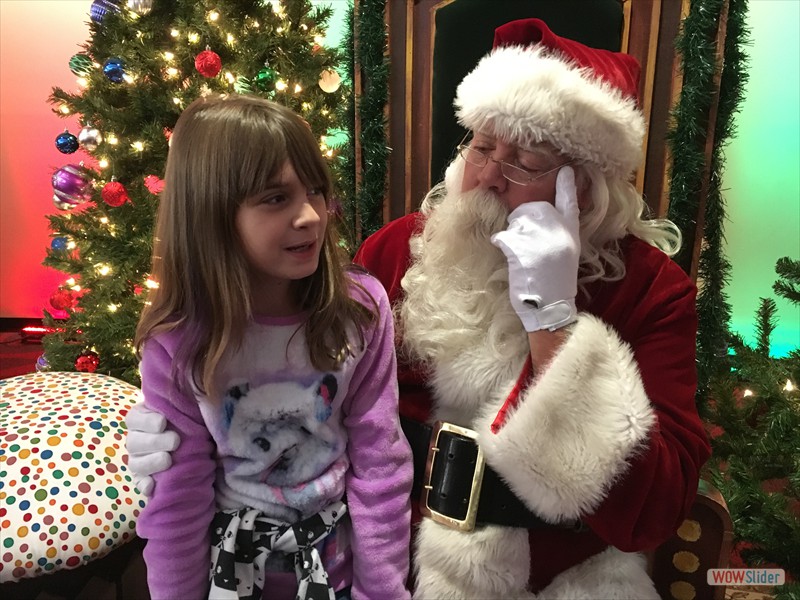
649 32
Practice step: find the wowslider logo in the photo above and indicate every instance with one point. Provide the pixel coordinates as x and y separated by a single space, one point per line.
766 577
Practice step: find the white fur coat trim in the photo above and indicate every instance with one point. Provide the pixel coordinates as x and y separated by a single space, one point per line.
576 428
528 95
611 575
489 562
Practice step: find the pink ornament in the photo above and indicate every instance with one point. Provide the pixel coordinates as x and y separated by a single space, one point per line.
208 63
114 193
154 184
72 184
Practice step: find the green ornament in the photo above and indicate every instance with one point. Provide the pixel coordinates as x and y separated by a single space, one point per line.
265 79
81 65
242 86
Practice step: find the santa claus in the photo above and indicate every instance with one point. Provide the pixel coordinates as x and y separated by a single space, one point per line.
547 334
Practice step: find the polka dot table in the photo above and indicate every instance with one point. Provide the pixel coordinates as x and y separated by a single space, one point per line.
66 495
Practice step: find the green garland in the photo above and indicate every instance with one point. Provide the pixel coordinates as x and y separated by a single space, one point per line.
365 46
697 46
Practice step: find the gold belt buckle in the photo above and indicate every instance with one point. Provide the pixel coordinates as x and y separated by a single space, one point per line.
468 522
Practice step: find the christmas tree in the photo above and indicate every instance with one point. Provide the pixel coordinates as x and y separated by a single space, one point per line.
754 418
144 62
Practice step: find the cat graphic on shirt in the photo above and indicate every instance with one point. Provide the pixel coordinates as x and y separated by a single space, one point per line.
281 430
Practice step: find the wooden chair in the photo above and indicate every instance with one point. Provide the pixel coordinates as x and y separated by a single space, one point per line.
704 540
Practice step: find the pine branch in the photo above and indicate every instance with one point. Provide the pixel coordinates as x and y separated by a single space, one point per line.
788 270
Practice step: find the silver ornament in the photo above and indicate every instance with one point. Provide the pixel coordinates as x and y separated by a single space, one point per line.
140 7
90 138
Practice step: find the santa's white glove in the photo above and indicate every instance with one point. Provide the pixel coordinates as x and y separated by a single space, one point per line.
542 246
148 445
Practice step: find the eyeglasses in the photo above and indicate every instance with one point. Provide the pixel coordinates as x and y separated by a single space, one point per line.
511 172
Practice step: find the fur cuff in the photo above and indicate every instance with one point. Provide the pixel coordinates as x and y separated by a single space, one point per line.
612 575
576 428
490 562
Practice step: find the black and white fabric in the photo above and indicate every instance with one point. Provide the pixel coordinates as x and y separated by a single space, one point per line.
242 540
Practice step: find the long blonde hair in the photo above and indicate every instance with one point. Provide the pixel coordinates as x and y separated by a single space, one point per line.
225 149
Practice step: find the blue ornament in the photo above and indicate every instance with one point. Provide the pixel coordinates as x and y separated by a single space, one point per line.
59 243
67 143
114 69
100 8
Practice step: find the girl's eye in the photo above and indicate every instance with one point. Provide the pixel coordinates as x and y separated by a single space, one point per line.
273 200
315 191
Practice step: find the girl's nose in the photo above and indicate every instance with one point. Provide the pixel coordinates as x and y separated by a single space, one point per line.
306 215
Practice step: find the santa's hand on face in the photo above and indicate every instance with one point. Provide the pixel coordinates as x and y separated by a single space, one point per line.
542 245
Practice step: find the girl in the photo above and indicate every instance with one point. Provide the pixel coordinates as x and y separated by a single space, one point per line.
276 369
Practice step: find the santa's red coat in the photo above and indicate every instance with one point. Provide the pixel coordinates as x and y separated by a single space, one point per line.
652 309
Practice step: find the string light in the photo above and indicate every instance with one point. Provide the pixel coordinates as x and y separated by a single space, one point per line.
138 145
176 100
213 16
151 284
113 307
103 163
297 88
280 85
103 269
194 38
172 72
747 393
64 109
229 76
175 33
82 81
129 78
169 56
231 39
112 139
789 387
104 220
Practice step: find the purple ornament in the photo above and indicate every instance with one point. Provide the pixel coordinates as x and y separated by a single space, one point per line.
42 364
72 184
100 7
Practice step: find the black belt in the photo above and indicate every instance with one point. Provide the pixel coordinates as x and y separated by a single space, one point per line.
456 488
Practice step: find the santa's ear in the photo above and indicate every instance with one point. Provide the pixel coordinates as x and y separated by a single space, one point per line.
583 186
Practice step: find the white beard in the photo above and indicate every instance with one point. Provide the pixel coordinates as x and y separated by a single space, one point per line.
456 318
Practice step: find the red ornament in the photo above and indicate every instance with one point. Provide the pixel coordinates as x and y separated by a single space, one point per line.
87 362
208 63
114 193
62 300
154 184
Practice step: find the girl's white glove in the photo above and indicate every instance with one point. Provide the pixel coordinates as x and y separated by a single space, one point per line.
542 246
148 445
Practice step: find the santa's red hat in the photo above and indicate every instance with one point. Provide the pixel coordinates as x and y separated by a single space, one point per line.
536 86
